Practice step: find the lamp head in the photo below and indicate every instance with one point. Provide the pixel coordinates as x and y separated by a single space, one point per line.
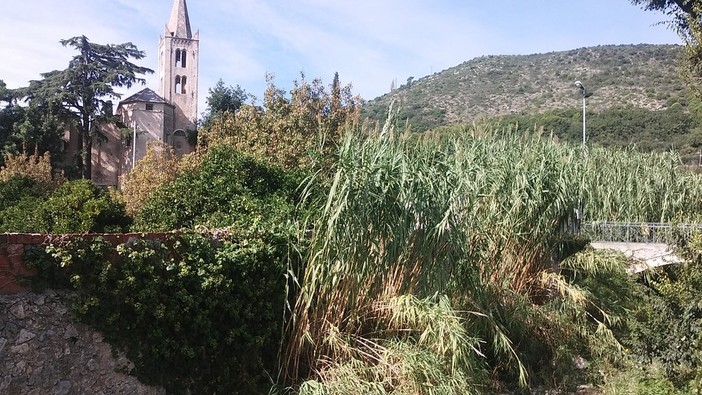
579 85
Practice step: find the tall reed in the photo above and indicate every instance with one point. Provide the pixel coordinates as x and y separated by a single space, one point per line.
477 216
630 186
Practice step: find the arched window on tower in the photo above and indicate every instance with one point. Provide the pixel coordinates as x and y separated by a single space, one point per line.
178 84
182 58
178 58
183 80
180 142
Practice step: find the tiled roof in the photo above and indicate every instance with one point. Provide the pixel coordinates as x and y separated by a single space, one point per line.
145 95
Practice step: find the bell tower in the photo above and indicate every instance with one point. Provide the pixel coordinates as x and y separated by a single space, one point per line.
179 54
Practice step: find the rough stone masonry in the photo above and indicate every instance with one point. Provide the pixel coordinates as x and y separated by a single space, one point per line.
45 350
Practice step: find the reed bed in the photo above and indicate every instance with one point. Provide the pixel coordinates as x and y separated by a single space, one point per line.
472 216
629 186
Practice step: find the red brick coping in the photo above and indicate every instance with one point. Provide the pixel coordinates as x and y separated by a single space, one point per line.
12 245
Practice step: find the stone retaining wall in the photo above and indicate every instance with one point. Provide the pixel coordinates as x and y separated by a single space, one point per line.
44 349
12 247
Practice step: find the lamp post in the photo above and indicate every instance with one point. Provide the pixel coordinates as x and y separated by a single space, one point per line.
134 137
580 211
585 94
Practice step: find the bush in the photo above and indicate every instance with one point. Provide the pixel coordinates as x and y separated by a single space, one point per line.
299 130
193 314
75 206
24 216
36 167
15 188
634 381
666 328
159 166
228 188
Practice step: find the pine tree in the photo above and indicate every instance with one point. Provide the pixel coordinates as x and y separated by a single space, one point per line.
85 87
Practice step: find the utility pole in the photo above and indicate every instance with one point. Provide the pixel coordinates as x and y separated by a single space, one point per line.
585 94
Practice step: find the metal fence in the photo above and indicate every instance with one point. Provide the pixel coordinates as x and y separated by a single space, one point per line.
638 232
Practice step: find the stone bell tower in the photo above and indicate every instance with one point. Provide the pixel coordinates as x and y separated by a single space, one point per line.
178 58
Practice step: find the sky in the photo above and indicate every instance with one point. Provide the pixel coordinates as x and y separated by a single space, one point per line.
369 43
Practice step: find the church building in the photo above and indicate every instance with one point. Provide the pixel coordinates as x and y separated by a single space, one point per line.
169 115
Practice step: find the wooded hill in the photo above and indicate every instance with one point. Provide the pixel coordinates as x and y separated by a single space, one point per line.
641 76
638 96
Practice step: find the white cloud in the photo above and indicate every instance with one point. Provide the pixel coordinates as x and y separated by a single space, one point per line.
369 42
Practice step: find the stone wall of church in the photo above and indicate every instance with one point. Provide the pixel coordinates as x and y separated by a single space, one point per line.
152 124
108 156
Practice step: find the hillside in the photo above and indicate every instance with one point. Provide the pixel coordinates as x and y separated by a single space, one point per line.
643 76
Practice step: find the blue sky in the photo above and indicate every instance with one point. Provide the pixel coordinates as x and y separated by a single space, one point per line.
369 42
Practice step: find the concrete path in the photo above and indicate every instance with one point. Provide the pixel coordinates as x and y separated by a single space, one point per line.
647 255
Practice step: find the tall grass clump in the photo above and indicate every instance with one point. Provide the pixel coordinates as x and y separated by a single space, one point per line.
469 218
630 186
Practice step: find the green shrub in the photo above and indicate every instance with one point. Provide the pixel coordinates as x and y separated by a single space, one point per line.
80 206
228 188
19 197
666 328
192 313
23 216
75 206
637 381
15 188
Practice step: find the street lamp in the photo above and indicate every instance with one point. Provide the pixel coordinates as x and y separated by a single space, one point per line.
580 211
585 94
134 138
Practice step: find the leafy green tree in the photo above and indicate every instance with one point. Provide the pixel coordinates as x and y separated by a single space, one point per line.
681 10
650 130
10 114
222 99
41 130
409 81
6 121
686 21
82 90
36 128
4 94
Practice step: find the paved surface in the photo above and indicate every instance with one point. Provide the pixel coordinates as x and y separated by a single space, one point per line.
647 255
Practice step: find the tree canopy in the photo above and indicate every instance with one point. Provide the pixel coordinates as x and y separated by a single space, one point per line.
82 92
686 22
29 129
681 10
222 99
4 96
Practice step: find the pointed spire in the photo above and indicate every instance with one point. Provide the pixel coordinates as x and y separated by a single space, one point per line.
179 24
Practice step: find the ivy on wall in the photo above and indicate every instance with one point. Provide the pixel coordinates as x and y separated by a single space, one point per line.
193 313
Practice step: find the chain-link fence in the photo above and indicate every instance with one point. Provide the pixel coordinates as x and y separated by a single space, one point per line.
638 232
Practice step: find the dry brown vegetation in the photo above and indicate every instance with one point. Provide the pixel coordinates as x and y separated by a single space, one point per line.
35 166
